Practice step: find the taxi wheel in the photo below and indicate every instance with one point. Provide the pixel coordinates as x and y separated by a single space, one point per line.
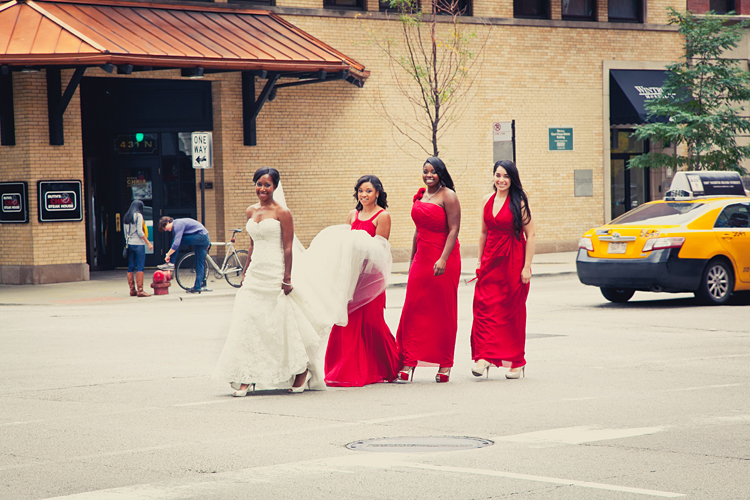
717 283
619 295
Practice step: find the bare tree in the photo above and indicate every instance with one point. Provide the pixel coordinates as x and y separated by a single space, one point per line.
433 64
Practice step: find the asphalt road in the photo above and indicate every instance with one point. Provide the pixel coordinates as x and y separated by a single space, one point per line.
114 400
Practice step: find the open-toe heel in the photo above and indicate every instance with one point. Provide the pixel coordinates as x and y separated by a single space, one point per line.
406 374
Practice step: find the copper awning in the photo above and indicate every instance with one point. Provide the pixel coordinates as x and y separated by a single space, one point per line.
67 33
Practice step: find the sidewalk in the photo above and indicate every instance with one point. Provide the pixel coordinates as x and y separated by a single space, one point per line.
112 286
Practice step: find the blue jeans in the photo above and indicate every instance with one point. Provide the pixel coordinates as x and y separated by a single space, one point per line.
136 258
200 244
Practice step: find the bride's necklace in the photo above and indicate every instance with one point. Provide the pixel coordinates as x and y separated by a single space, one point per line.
429 196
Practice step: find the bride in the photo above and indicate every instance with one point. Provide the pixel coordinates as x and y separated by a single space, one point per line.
278 332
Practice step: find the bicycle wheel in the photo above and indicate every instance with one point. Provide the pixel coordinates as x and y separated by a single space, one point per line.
235 265
184 271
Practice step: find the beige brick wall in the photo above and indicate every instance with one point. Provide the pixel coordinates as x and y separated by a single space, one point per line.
32 160
323 137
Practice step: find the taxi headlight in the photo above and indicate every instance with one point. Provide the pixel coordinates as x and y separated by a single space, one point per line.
586 243
662 243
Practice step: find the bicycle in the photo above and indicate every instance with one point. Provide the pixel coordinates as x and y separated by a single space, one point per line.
231 269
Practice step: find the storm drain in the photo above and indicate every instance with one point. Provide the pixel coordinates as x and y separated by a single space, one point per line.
419 444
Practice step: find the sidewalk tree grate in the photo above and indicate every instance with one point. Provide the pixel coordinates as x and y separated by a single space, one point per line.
419 444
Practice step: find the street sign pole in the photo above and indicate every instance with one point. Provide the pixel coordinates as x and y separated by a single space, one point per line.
203 196
203 158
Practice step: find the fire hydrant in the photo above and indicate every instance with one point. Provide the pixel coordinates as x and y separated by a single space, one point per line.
161 281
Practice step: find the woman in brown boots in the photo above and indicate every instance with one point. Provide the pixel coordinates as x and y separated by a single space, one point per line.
135 235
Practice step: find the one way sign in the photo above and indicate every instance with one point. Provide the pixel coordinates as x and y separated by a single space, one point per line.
202 149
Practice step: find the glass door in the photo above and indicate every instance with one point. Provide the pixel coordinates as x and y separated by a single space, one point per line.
139 179
629 187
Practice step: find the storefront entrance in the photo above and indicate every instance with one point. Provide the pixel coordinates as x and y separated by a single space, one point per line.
630 187
136 147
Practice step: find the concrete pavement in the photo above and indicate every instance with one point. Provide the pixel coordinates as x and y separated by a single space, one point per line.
111 286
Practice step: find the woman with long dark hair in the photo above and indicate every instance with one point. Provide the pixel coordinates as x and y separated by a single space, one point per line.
365 351
506 247
137 239
429 320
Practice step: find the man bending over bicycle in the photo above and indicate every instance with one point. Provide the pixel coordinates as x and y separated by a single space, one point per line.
189 232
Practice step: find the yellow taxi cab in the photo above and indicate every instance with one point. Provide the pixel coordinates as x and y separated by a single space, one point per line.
695 240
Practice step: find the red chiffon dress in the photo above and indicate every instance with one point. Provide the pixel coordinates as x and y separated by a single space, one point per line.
364 351
498 334
429 320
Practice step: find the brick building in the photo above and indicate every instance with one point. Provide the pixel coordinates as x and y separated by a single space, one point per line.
570 75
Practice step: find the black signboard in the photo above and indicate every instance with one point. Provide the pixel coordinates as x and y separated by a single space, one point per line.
715 183
134 144
60 201
14 202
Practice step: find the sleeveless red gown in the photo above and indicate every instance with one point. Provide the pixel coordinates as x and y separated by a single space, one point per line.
429 320
498 334
364 351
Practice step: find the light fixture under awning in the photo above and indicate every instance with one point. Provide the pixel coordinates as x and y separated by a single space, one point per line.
629 90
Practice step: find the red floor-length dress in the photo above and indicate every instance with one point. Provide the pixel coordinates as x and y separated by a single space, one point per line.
498 334
364 351
429 320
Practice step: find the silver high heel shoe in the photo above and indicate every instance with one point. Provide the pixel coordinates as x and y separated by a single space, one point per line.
305 384
516 374
480 368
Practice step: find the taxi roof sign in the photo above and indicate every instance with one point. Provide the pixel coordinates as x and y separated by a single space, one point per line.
687 185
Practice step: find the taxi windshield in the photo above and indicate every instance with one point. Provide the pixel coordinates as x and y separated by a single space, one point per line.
660 214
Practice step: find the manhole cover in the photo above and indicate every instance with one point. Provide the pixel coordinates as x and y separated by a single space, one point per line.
419 444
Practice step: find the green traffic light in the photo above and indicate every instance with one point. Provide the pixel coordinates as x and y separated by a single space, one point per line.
138 137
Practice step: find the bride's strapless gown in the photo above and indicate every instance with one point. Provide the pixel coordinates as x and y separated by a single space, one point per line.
272 336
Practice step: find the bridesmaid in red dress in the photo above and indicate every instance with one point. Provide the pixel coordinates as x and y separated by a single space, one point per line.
429 320
364 351
506 247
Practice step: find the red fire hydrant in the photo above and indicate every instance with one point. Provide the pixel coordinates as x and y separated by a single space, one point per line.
161 281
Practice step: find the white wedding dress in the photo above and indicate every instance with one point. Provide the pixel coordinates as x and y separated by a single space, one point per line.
272 336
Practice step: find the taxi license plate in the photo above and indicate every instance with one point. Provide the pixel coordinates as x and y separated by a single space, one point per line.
617 248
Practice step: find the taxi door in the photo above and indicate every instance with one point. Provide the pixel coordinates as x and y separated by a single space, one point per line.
732 228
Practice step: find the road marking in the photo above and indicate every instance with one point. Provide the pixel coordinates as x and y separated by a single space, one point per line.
576 435
704 387
341 464
200 403
404 417
543 479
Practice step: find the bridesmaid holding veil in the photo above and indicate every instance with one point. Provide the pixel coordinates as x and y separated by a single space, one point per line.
364 351
429 320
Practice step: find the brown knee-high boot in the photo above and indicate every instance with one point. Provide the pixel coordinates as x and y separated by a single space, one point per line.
139 282
131 282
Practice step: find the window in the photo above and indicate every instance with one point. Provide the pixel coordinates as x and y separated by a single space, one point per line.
385 6
579 9
255 2
344 4
736 216
534 9
721 6
625 11
449 7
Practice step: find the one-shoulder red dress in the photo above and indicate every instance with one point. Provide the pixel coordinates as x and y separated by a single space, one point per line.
498 334
364 351
429 320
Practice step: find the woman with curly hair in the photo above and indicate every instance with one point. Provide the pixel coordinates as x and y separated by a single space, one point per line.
365 351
